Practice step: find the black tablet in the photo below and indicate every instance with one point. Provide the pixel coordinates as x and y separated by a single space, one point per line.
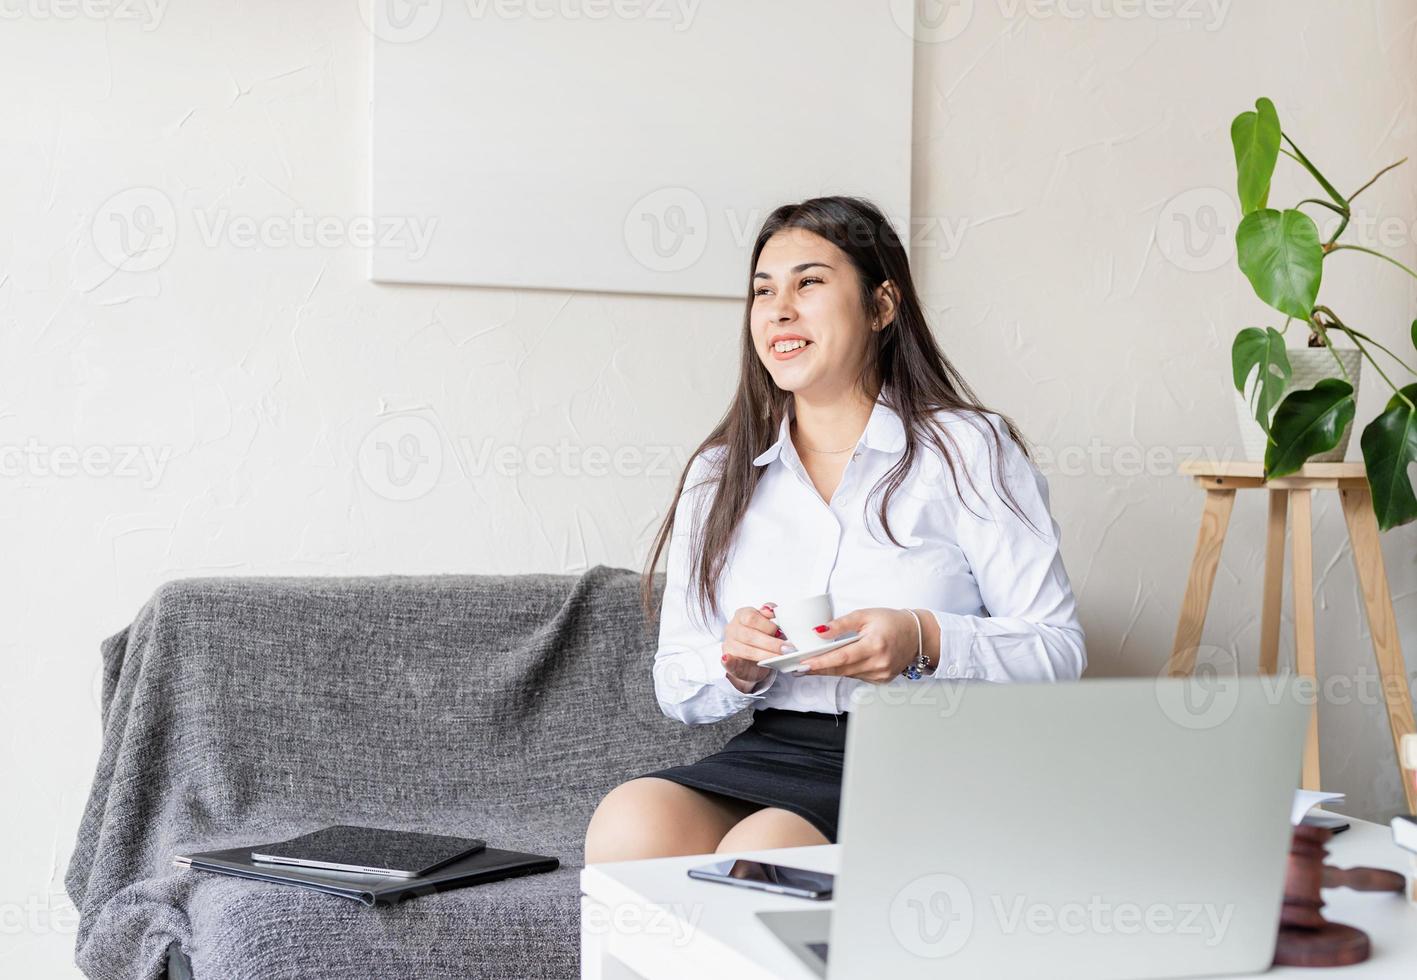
369 850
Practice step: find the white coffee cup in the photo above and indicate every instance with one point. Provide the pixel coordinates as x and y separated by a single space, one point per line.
797 618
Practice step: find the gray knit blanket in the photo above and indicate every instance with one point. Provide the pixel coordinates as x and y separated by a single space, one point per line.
246 710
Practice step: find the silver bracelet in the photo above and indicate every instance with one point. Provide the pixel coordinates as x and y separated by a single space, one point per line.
921 663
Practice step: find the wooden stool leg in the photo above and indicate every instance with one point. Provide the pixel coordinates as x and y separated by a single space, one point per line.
1209 540
1382 623
1273 581
1304 659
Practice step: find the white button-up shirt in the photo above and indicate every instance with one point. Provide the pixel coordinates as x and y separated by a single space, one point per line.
996 586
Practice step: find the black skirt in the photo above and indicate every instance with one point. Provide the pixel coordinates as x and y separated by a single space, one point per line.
787 759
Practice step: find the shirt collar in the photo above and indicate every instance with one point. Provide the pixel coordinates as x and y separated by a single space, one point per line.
884 431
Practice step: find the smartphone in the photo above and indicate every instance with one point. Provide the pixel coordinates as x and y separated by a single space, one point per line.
776 878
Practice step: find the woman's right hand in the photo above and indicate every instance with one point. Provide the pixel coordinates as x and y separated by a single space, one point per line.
751 635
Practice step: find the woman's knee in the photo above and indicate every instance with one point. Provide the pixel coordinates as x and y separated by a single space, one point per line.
768 828
651 817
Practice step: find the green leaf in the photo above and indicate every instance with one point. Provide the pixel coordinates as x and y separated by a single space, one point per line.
1255 136
1414 334
1263 348
1307 422
1389 448
1280 254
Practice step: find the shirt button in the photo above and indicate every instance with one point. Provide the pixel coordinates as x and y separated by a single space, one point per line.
952 670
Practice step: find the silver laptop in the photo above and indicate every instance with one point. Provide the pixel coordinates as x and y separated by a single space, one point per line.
1098 829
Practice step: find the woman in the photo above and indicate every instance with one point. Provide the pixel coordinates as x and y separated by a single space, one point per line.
840 367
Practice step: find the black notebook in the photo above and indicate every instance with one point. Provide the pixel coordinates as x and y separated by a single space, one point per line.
369 850
488 864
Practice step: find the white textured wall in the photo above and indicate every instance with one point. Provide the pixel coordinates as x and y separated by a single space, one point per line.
266 384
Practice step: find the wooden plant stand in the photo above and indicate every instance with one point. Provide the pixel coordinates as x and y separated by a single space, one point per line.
1292 495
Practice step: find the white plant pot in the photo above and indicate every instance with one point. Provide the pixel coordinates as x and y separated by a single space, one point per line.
1311 365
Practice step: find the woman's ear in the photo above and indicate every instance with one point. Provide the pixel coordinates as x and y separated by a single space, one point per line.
887 302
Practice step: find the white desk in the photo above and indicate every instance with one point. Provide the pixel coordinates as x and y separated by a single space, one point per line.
645 920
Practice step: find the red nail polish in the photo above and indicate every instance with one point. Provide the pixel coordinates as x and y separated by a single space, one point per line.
781 635
724 658
820 629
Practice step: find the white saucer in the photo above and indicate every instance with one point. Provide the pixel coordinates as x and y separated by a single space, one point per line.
789 660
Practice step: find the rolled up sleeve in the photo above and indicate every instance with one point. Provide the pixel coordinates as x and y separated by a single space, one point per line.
1032 632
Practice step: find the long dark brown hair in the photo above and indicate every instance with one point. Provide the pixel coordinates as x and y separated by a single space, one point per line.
902 358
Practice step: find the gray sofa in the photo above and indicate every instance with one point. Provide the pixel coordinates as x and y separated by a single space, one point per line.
243 710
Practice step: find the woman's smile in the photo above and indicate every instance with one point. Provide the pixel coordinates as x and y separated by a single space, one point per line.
784 347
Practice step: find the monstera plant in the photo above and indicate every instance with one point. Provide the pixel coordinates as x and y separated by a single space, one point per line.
1282 254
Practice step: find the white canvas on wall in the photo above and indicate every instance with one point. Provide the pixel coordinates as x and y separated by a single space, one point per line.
625 146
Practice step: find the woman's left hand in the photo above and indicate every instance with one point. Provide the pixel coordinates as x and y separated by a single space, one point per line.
886 647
